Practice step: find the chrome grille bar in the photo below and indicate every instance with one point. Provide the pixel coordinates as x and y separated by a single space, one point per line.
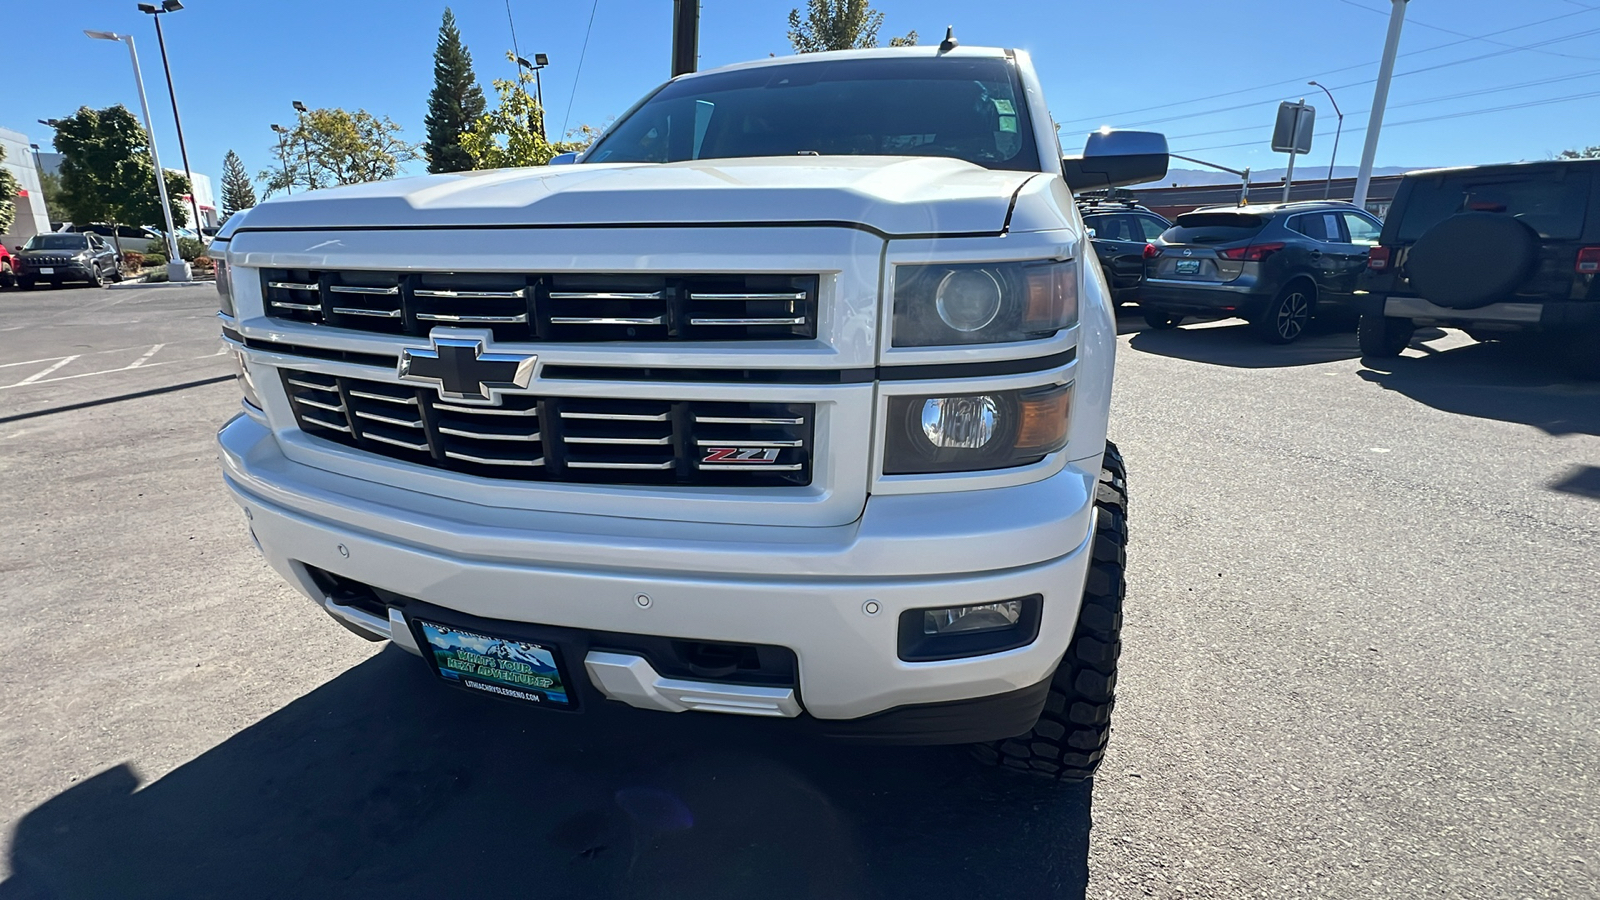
293 285
486 436
518 319
358 289
485 410
517 294
654 442
390 420
357 311
615 417
767 467
799 295
588 464
741 442
303 307
604 320
492 461
332 388
368 395
791 320
750 420
328 425
385 439
607 295
307 401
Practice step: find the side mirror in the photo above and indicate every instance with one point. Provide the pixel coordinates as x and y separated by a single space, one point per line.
1115 158
567 159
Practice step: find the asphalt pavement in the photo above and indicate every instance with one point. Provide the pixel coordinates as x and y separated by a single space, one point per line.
1359 661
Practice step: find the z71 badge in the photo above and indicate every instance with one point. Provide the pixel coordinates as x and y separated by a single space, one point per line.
748 455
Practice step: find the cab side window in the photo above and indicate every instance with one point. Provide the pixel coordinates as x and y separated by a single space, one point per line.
1152 227
1313 226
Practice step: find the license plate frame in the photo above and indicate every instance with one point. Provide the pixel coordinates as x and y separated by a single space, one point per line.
47 270
531 673
1187 267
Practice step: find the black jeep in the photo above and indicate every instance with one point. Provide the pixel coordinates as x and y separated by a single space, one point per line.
1496 251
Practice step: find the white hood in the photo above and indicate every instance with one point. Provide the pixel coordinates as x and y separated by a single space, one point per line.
894 195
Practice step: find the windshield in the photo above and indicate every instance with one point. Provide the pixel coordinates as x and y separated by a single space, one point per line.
1553 201
56 242
969 109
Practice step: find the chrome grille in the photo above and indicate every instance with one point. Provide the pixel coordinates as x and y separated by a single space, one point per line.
557 308
561 439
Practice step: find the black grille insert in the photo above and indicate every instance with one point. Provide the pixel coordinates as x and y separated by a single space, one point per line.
582 440
556 308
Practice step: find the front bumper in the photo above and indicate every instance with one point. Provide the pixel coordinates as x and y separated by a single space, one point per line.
60 272
806 589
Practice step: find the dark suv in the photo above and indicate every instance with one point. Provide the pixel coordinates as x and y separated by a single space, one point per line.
66 257
1277 266
1122 228
1494 251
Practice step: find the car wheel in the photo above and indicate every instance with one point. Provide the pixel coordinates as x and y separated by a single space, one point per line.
1384 336
1160 320
25 283
7 279
97 278
1068 741
1287 316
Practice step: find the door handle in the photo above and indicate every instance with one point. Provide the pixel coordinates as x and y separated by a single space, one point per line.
1316 254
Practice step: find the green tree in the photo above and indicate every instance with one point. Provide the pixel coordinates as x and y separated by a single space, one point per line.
334 146
1585 153
237 191
106 175
8 195
50 183
455 102
839 25
510 136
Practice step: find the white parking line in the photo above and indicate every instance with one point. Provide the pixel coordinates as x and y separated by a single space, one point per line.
29 362
38 375
40 379
147 354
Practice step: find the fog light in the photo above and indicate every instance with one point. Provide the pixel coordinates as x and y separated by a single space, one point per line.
966 422
967 619
956 632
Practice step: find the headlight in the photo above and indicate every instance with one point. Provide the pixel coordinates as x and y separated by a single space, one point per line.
971 432
991 303
224 286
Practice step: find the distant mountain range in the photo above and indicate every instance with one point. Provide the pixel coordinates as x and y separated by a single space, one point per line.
1194 177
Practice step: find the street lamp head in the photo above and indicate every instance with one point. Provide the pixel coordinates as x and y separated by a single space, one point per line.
148 8
299 107
541 59
103 35
171 5
524 63
280 129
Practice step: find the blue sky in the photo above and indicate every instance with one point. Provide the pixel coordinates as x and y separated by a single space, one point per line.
239 63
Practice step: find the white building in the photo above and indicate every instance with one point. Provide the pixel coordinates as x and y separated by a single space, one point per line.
31 215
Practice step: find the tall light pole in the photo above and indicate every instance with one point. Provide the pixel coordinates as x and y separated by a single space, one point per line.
283 157
300 110
1327 187
1380 99
155 12
177 269
540 60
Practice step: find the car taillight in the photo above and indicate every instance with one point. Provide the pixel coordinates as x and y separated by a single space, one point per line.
1254 252
1588 261
1151 251
1378 259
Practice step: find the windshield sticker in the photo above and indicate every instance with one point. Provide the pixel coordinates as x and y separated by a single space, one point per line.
1004 108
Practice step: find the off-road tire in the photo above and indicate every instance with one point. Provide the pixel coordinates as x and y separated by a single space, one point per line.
1159 320
1289 314
1070 737
1384 336
7 278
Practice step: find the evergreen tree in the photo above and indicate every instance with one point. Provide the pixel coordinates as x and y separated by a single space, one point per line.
237 191
8 195
455 102
839 25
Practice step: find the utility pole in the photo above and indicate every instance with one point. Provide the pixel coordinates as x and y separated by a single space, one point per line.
1327 186
1380 99
685 36
155 12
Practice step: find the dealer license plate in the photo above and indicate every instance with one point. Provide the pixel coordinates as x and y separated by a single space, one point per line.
1188 267
46 270
504 667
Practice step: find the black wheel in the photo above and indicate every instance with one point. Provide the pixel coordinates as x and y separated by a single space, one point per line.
1068 741
1287 316
1384 336
7 279
1159 320
25 283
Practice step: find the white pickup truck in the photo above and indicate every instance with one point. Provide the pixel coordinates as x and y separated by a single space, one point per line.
787 399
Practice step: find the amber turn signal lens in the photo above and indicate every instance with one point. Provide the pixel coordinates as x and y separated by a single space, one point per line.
1043 416
1052 296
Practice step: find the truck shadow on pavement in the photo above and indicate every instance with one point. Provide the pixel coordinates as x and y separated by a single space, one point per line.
384 783
1508 382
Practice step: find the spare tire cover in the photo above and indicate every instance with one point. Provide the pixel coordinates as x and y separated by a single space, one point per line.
1472 259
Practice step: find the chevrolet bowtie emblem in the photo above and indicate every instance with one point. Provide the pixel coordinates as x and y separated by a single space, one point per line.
461 368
